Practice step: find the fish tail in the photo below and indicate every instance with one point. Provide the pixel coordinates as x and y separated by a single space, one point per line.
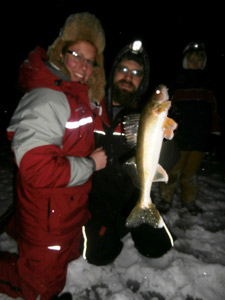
148 215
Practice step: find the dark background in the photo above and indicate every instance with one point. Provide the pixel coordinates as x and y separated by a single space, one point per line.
165 30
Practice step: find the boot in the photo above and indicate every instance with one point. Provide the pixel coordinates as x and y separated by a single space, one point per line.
164 207
189 186
192 208
189 189
167 190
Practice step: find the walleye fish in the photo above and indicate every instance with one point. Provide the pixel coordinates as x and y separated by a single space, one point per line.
154 125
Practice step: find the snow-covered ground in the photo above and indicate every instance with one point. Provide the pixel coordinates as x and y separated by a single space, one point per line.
193 270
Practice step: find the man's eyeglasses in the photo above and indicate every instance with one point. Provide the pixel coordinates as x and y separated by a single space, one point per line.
80 58
135 73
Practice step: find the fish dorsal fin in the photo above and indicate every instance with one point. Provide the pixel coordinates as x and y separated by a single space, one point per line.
160 175
168 134
130 167
169 123
130 126
169 126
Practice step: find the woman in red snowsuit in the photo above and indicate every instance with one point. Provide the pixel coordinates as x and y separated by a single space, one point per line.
52 139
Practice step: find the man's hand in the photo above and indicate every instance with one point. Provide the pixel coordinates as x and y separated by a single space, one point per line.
99 157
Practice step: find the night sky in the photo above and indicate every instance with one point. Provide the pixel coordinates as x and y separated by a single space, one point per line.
164 30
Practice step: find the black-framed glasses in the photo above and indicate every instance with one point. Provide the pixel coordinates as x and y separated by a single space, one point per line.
80 58
134 73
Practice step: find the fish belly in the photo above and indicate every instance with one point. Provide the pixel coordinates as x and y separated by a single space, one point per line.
147 159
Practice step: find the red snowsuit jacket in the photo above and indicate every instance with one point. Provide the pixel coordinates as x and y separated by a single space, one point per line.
52 137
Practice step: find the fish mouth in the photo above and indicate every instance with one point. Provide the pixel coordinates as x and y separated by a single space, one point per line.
160 95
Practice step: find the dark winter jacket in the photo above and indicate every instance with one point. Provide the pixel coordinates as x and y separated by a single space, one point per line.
113 194
112 187
194 108
52 137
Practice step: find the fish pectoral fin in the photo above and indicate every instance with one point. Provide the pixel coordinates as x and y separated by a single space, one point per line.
130 167
160 175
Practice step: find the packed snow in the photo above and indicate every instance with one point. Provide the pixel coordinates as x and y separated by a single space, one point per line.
194 269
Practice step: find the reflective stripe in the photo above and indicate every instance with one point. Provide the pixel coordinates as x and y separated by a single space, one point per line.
57 248
103 133
77 124
169 234
118 133
85 242
99 132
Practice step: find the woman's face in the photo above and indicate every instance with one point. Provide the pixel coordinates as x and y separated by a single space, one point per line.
79 60
195 62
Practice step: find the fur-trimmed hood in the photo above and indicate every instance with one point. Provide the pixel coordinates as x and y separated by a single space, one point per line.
83 26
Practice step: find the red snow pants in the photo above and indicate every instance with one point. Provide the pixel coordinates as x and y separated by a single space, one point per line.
37 270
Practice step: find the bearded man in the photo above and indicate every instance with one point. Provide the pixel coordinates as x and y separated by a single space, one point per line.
113 194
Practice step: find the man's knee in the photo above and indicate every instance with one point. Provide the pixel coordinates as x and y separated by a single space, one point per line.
103 244
151 242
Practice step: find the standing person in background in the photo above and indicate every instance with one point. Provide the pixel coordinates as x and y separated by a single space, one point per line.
52 137
114 195
194 106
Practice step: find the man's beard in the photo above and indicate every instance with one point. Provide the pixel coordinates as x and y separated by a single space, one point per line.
122 96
